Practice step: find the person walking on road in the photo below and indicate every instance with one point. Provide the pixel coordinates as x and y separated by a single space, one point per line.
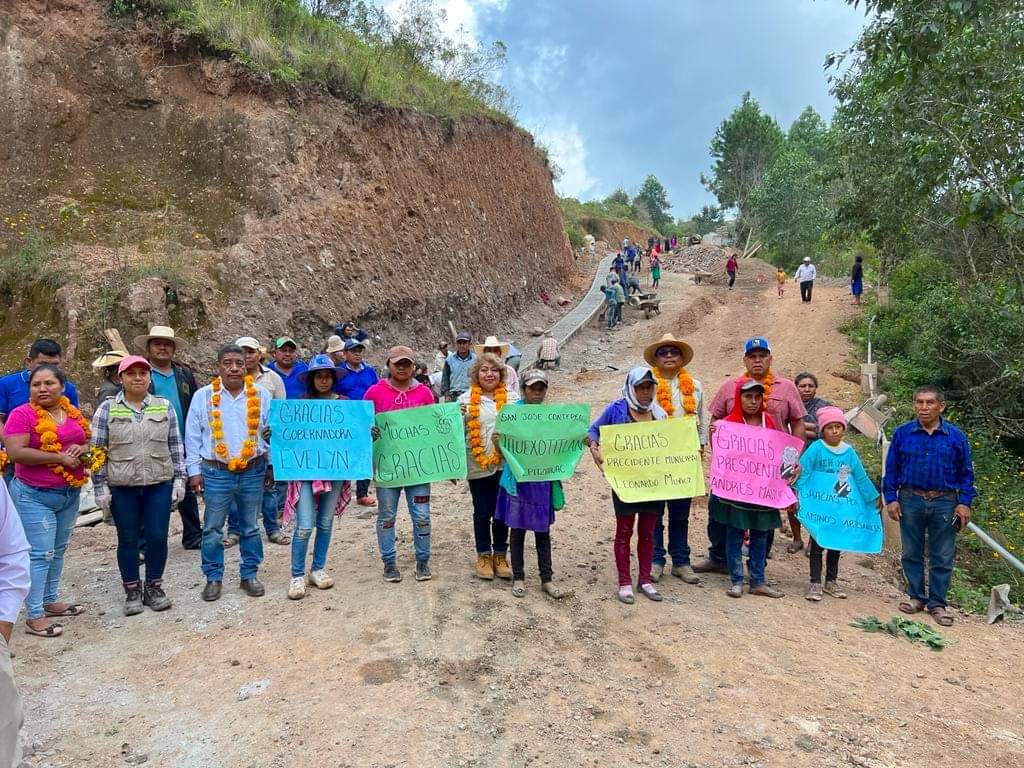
681 396
929 488
731 267
805 275
857 279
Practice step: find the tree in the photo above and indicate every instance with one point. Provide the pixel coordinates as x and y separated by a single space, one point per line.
809 133
653 198
790 208
743 148
708 219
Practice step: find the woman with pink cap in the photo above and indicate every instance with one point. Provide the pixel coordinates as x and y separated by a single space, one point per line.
143 477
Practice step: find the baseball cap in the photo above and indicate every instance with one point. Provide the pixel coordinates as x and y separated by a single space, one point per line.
464 336
401 353
533 376
750 384
282 340
131 360
248 342
351 344
757 342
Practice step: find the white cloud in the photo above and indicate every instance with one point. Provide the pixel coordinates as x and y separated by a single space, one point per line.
565 145
545 66
462 17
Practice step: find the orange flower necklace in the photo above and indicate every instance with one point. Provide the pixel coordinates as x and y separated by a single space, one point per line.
252 414
766 381
485 459
46 428
686 386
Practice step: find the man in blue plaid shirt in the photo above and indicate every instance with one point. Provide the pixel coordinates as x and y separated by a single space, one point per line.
929 489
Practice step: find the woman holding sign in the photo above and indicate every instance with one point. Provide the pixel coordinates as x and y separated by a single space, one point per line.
740 516
637 404
315 502
486 397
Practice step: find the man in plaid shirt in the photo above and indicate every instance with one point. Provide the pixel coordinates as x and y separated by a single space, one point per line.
929 489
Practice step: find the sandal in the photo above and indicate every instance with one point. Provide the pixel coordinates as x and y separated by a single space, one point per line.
941 616
912 605
52 630
72 609
518 589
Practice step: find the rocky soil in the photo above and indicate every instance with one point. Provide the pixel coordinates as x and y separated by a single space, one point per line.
457 672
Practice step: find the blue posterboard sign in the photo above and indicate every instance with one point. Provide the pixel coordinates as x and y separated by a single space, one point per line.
321 439
835 513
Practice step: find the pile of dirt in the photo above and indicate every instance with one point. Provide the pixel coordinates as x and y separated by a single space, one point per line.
170 187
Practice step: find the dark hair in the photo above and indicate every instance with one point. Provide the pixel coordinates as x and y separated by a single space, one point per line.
51 368
930 389
310 375
859 258
47 347
228 349
805 375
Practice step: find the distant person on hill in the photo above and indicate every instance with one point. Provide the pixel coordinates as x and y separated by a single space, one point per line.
805 275
675 242
611 273
620 265
857 279
629 255
731 267
350 330
548 356
780 280
637 257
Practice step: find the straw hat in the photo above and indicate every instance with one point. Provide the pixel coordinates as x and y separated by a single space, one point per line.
335 344
159 332
492 341
107 359
668 340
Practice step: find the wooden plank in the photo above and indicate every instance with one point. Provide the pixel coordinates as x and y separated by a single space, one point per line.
89 518
114 337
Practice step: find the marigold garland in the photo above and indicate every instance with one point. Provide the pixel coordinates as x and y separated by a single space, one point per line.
4 460
252 414
766 381
485 459
686 386
46 428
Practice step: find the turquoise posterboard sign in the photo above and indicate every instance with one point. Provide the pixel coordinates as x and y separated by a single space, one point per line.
321 439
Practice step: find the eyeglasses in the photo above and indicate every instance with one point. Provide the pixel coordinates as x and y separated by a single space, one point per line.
668 352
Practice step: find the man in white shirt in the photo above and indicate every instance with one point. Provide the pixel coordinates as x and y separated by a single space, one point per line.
14 585
227 460
805 275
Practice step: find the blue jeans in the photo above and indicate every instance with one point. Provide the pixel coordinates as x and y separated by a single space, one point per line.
362 488
932 520
678 533
220 489
716 536
312 510
48 516
417 498
273 503
142 514
757 552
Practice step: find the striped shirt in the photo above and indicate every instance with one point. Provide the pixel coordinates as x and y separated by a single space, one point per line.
940 461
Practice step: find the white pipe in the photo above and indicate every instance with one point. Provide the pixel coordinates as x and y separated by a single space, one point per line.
995 546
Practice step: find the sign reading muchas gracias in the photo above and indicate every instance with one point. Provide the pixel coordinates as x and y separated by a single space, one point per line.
653 460
753 464
542 442
321 439
419 445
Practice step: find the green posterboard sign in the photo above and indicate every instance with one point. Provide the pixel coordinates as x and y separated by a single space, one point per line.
419 445
543 442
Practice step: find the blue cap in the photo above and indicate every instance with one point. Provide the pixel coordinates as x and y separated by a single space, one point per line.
320 363
351 344
758 342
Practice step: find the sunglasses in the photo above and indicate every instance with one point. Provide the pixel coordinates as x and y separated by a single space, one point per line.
668 352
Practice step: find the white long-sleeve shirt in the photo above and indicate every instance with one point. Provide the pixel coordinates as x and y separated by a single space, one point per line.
805 272
14 573
198 437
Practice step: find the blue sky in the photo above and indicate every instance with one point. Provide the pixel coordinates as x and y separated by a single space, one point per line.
618 89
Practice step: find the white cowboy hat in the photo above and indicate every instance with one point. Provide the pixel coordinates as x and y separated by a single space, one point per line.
159 332
107 359
492 341
668 340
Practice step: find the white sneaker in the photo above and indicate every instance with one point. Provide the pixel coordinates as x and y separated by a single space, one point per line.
320 579
297 590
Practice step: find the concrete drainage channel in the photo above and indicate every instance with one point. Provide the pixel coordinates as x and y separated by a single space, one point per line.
566 328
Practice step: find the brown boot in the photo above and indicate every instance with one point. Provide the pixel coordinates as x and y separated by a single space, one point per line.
485 567
501 569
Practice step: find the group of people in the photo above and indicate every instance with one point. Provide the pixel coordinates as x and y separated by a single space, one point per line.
160 439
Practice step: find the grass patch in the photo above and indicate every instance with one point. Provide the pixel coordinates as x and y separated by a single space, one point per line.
31 267
281 39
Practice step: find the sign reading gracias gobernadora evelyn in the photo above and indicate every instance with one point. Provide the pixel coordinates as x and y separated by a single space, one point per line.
321 439
543 442
419 445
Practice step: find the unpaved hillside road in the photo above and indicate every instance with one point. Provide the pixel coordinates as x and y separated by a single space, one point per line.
457 672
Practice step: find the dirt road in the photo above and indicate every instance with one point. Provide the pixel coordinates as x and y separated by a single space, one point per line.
457 672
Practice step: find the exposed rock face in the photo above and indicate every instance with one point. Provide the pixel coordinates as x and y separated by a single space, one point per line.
174 188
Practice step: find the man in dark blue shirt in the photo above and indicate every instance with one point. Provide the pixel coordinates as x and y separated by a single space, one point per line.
929 489
14 386
357 377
